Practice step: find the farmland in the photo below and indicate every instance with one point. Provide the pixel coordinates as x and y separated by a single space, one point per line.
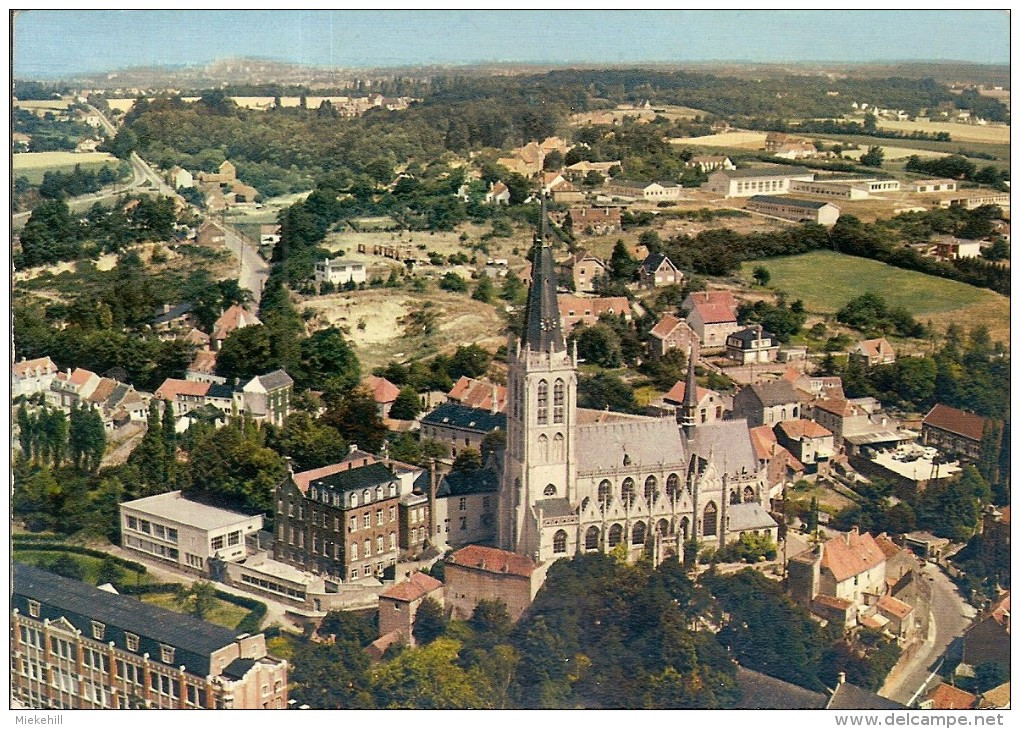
990 134
846 277
33 165
743 140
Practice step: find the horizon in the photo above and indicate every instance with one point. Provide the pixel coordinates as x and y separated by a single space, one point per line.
60 45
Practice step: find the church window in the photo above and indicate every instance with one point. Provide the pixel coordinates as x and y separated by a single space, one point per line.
550 490
662 527
637 533
604 489
615 535
734 497
591 538
557 449
672 485
685 525
626 459
651 489
710 526
543 402
584 503
748 494
543 448
560 542
627 490
558 396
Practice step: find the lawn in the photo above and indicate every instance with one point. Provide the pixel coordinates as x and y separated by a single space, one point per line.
223 613
34 164
825 281
40 557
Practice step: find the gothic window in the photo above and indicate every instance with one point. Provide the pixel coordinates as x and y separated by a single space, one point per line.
710 527
560 542
637 533
543 448
558 394
557 448
748 494
685 525
651 488
584 503
627 491
604 488
543 402
662 527
672 485
550 490
734 497
795 412
591 538
615 535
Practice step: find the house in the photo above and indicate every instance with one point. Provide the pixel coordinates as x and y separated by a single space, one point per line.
809 442
594 220
398 605
338 271
99 649
897 617
584 268
203 368
183 395
477 573
267 397
565 192
759 691
795 150
197 337
651 191
872 352
939 185
953 431
670 332
32 376
466 508
775 140
709 406
498 194
767 403
658 270
712 315
235 317
582 168
185 533
708 163
550 180
480 394
210 234
951 248
770 180
752 345
181 178
342 522
847 697
243 193
269 234
988 638
169 317
788 208
996 698
858 422
227 173
815 386
849 567
458 427
945 697
781 466
383 392
576 310
68 388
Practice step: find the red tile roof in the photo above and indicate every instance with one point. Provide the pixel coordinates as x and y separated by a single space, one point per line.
414 588
797 429
478 394
763 440
493 560
851 554
876 348
383 390
597 305
204 362
955 421
833 602
677 392
30 366
950 697
665 326
233 318
354 460
171 388
889 605
837 406
889 547
80 376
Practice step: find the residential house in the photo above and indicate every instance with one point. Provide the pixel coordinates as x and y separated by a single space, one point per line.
809 442
185 533
770 180
658 270
398 605
670 332
480 394
234 318
477 573
203 368
466 508
183 395
712 315
227 173
709 407
210 234
988 638
767 403
858 422
815 386
585 268
459 427
171 318
849 568
181 178
267 397
752 345
896 617
946 697
32 376
775 140
579 169
996 698
383 392
708 163
596 220
198 338
954 431
796 150
565 192
242 193
847 697
498 194
75 646
550 180
951 248
68 388
576 310
339 271
872 352
759 691
788 208
781 467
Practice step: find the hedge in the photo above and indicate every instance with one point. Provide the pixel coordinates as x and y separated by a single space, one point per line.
30 536
45 546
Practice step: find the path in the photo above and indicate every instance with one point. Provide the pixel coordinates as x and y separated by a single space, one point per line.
252 268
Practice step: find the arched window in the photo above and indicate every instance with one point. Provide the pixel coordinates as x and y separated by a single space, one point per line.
672 485
550 490
627 490
378 493
560 542
543 402
748 494
543 448
651 489
710 526
584 503
366 496
354 499
615 535
558 399
734 497
604 488
557 448
685 526
637 533
784 414
591 538
662 527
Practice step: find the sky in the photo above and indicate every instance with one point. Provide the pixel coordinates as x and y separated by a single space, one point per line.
63 43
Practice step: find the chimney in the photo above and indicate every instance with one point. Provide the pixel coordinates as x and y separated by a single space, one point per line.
842 677
495 399
290 464
351 448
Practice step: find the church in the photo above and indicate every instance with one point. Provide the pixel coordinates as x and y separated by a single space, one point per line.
578 480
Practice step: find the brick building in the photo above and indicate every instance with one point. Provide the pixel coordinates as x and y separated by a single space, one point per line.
477 573
953 431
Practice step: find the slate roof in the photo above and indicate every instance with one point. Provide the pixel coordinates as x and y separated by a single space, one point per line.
455 415
489 559
161 317
955 421
542 330
194 640
353 479
653 261
727 443
555 507
747 516
777 392
750 334
788 201
276 379
461 483
601 447
847 696
414 588
238 667
220 390
759 691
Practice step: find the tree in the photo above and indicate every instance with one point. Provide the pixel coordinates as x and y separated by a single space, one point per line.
453 282
491 620
469 361
761 276
110 572
426 678
484 290
356 418
86 438
245 353
67 566
468 461
430 622
988 675
605 391
598 345
309 443
622 266
198 599
331 675
407 405
328 361
873 157
593 179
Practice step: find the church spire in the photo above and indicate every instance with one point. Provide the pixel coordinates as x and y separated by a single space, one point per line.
542 330
690 405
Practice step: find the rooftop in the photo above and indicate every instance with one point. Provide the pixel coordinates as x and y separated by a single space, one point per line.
494 560
955 421
382 389
759 691
777 392
847 696
374 474
770 171
791 202
461 483
172 506
950 697
797 429
455 415
417 586
747 516
851 554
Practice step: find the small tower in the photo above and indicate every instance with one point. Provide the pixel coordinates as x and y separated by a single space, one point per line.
689 413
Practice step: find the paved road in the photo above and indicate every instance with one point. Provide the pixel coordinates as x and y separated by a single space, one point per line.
252 270
951 615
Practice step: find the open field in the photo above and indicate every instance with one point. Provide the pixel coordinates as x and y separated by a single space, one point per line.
826 281
992 134
51 160
55 104
998 150
90 565
222 613
744 140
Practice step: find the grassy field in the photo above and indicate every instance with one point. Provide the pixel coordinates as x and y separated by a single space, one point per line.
223 613
34 165
826 281
747 140
40 557
998 134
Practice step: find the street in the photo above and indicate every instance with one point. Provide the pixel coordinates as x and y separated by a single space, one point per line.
252 269
951 615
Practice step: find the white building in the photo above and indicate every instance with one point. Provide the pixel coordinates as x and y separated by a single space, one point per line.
185 533
794 209
773 180
338 271
30 376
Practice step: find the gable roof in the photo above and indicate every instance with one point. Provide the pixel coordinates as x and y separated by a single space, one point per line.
847 696
777 392
759 691
352 479
769 171
679 390
171 388
752 334
161 317
789 202
103 391
888 546
874 347
748 515
233 318
597 305
276 380
492 560
889 605
763 440
837 406
604 446
383 390
478 394
955 421
462 483
80 376
797 429
653 261
851 554
950 697
29 367
204 362
714 307
727 443
417 586
665 326
455 415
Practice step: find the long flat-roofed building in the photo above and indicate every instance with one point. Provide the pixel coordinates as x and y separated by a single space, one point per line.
790 208
748 181
74 646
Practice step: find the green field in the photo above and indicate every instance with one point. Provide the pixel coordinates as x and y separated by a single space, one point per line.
90 565
825 281
222 613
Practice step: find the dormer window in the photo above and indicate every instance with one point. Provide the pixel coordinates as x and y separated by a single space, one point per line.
366 496
354 499
33 608
132 641
98 630
166 653
315 493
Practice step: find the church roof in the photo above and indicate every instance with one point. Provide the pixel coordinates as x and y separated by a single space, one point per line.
542 314
726 443
609 446
747 516
555 507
